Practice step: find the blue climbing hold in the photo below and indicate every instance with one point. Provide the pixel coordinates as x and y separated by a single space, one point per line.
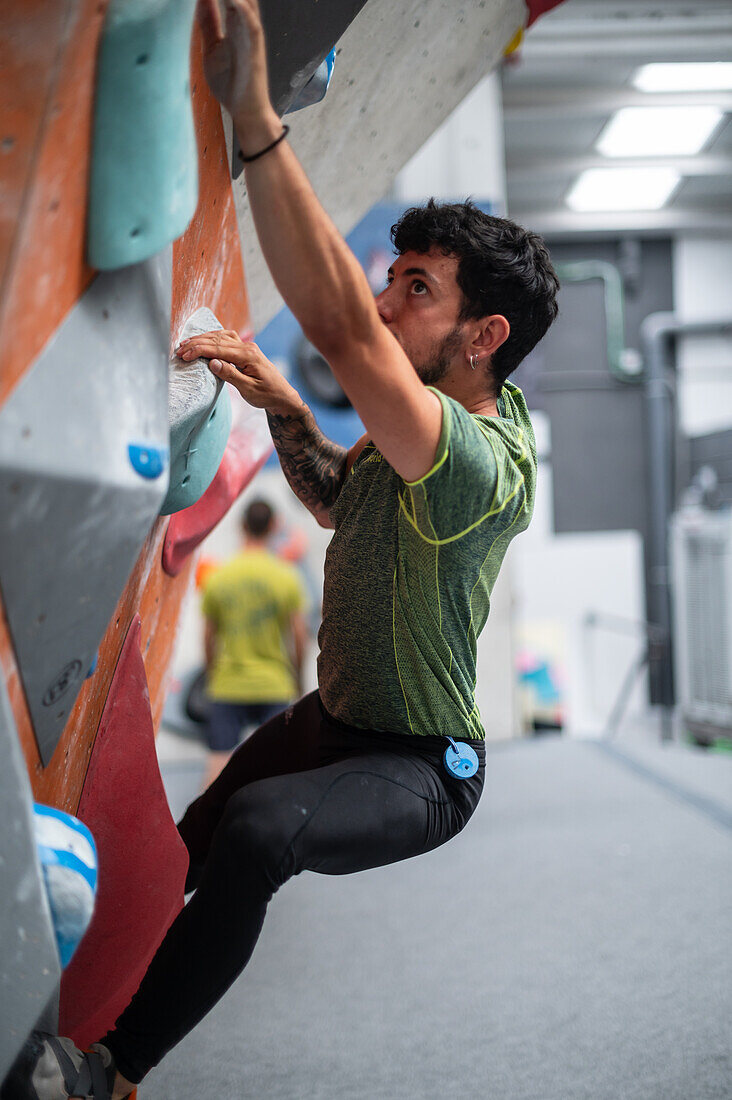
148 459
68 859
316 87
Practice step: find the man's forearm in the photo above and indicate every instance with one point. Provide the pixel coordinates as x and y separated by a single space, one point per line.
314 269
313 465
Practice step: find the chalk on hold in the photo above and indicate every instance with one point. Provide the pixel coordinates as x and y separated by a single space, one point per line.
144 166
200 420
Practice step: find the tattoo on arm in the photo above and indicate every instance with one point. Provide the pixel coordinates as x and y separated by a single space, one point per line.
313 465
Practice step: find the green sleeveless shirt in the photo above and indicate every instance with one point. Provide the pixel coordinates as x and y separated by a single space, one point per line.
410 569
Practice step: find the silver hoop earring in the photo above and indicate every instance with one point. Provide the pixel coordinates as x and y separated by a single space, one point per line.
473 361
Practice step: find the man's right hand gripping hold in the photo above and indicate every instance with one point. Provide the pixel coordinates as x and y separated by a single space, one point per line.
313 465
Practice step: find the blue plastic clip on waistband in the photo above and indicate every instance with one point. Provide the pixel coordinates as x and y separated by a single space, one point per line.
461 760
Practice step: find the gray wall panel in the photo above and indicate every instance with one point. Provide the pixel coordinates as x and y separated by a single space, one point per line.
29 963
73 510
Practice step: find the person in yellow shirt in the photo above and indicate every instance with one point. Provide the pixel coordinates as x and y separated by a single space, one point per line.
255 638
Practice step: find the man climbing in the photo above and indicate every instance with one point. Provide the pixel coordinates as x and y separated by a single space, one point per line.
385 761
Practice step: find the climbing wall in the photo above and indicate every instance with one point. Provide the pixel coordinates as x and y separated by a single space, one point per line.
120 230
100 431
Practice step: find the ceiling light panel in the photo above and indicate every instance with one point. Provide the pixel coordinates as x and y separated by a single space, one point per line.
609 189
658 131
684 76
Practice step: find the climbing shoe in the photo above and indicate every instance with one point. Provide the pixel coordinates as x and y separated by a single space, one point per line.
52 1068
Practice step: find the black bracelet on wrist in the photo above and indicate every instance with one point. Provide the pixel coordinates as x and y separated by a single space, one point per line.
256 156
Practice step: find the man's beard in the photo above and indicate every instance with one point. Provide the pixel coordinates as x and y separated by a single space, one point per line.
434 368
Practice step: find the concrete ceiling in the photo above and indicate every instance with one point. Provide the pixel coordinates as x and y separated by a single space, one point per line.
573 70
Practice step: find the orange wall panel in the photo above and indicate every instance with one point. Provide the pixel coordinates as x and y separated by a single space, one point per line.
50 53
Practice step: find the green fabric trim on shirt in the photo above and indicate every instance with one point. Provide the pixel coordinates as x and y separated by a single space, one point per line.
442 445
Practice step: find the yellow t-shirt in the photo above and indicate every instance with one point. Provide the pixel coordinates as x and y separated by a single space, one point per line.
250 601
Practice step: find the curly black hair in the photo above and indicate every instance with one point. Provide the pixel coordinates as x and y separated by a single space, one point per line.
502 268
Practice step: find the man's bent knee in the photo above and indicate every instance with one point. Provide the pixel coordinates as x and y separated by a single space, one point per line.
256 836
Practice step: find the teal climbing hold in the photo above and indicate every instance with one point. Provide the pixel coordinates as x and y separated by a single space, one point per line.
144 169
198 453
199 410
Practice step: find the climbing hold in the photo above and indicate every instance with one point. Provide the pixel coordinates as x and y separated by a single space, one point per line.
515 43
311 93
247 450
316 86
69 860
144 164
199 411
148 459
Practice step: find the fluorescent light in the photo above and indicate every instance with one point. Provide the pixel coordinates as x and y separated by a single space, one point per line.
684 76
622 189
658 131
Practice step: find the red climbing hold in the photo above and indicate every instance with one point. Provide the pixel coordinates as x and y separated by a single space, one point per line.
142 860
539 7
245 453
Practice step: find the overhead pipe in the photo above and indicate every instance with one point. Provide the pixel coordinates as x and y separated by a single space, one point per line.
624 363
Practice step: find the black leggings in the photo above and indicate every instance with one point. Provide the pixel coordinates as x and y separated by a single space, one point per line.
304 793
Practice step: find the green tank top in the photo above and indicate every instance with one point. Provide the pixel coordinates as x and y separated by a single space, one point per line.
410 570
